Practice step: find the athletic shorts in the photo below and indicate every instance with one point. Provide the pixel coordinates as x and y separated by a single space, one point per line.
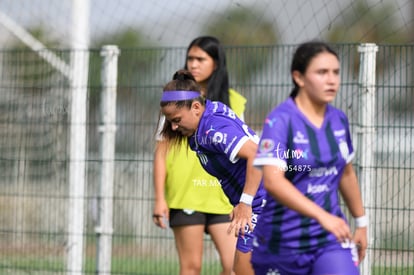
181 217
335 258
245 242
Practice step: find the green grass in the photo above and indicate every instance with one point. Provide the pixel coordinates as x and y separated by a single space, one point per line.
120 266
151 267
136 266
393 271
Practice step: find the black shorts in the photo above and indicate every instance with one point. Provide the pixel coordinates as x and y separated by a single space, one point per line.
180 217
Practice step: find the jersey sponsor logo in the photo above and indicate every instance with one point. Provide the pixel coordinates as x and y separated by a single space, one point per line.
343 148
204 140
272 271
245 239
219 137
210 130
339 133
270 122
300 138
323 172
317 188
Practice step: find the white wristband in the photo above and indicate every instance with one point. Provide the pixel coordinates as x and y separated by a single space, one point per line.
361 221
246 199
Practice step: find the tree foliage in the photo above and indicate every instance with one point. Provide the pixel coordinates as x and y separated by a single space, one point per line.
243 27
367 24
132 66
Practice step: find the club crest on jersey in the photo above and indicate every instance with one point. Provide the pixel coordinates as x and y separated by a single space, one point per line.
266 145
300 138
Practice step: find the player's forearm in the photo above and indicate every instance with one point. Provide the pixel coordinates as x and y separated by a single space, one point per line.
159 171
287 194
350 192
253 175
253 179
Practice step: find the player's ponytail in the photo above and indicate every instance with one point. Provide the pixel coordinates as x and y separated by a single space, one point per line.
183 76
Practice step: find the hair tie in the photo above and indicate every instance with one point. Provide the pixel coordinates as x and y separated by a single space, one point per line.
179 95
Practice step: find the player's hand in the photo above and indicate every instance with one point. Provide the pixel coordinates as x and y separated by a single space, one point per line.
336 226
241 217
160 215
360 240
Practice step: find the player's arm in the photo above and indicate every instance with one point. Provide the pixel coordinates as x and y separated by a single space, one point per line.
159 176
351 194
287 194
242 213
253 174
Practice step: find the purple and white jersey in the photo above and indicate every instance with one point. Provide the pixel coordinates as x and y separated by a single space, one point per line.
217 141
313 160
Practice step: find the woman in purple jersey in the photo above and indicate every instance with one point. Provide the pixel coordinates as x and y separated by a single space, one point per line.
305 153
185 195
226 147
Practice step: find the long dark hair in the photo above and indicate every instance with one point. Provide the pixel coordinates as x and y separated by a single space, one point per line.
303 56
218 83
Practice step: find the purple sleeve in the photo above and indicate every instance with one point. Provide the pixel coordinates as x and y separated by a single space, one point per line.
351 153
273 142
228 136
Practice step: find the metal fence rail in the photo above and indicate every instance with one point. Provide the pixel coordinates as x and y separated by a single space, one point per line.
35 123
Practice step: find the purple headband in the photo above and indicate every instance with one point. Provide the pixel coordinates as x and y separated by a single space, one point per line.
179 95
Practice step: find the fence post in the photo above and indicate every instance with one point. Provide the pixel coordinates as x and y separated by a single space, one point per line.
79 65
104 228
366 142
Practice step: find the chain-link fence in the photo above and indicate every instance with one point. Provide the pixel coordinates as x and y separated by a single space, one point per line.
35 121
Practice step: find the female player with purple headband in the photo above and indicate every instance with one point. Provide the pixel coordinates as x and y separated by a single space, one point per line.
225 146
186 198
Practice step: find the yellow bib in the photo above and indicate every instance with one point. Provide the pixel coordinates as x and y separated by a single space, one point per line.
188 185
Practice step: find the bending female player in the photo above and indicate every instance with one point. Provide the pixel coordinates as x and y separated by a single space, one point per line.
225 146
305 152
185 194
